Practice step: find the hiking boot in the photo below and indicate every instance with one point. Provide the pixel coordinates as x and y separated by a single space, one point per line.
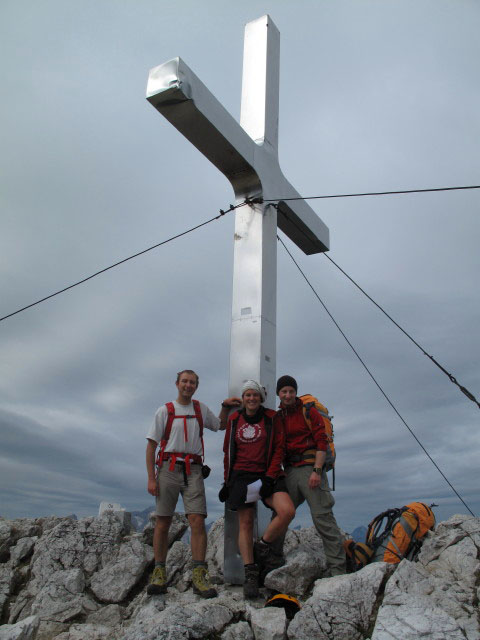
250 584
158 581
267 559
201 582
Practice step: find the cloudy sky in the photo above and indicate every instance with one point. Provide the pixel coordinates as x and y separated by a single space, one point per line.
375 96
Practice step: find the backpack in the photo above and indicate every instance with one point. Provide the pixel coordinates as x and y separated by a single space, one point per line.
398 533
358 554
168 427
310 401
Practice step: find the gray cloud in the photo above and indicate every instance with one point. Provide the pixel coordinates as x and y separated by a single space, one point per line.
373 97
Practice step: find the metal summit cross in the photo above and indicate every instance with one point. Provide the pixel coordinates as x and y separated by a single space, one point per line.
247 154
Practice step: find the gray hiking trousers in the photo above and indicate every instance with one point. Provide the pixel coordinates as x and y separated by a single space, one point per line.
321 502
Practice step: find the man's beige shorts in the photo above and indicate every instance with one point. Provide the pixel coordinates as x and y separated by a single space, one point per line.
172 483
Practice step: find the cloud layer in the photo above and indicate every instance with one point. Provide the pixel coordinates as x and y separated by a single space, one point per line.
373 97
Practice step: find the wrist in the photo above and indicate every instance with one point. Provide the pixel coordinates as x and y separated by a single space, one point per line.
317 470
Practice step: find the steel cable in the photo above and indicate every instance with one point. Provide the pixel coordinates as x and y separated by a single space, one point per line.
375 380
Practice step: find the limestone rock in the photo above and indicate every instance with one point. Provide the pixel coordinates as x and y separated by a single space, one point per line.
119 576
269 624
61 599
177 529
425 602
89 543
5 540
22 549
198 620
341 607
24 630
238 631
179 560
109 616
303 566
7 580
74 564
215 548
86 632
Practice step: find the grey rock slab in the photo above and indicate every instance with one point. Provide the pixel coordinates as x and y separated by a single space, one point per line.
5 540
238 631
303 566
341 607
307 537
110 616
24 630
215 546
113 582
62 599
438 605
89 543
195 620
48 629
179 559
22 549
87 632
269 624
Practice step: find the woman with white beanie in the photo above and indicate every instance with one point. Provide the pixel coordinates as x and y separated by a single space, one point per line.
254 452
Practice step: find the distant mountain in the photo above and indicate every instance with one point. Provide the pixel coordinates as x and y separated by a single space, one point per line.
141 518
359 534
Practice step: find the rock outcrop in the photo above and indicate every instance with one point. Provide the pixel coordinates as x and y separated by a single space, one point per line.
85 580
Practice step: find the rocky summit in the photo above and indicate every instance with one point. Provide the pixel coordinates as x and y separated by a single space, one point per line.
85 580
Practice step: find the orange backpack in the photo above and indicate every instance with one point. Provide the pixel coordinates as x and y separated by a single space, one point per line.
402 534
310 401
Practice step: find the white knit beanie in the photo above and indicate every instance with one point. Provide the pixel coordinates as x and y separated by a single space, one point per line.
254 386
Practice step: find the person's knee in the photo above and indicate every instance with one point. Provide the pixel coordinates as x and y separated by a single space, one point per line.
197 522
162 524
246 520
286 514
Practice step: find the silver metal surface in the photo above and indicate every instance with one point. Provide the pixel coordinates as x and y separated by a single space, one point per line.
247 154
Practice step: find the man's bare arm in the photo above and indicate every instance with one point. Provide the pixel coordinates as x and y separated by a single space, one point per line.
150 461
227 405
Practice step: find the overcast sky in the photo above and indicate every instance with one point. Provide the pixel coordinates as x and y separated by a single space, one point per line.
375 96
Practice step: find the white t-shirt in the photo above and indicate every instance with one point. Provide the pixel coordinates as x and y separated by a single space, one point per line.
177 441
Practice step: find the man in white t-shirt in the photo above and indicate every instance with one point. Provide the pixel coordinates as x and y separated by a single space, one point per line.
177 431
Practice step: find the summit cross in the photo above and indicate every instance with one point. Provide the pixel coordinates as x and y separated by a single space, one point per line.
247 154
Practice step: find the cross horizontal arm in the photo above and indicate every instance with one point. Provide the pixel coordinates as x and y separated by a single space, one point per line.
301 224
176 92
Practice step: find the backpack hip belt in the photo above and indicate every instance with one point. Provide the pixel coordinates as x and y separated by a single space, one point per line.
188 459
306 457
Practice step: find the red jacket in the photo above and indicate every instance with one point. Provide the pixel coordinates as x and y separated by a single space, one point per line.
275 449
298 435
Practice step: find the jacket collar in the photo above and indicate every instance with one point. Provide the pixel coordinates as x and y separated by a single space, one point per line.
293 408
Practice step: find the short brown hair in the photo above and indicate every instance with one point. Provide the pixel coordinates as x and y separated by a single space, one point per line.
191 372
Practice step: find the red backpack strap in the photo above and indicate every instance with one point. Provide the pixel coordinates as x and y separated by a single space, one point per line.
168 426
166 434
198 415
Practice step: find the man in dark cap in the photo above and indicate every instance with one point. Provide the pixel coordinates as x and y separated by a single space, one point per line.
306 478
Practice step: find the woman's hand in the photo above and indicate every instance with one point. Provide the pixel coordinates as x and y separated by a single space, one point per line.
223 493
267 487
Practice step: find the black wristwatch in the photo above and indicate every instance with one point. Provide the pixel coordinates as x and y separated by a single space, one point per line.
317 470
